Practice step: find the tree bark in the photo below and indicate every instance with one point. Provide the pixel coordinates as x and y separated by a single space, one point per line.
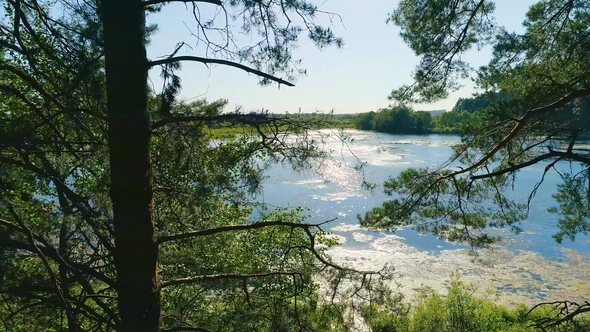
135 250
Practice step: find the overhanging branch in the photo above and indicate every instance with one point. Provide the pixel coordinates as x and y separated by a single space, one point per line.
324 261
219 62
515 167
61 295
520 124
566 312
568 155
235 276
157 2
254 119
185 329
182 236
50 252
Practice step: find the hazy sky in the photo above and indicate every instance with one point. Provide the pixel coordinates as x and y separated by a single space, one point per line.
355 78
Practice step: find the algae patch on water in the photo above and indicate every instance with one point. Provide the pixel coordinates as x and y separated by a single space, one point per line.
498 274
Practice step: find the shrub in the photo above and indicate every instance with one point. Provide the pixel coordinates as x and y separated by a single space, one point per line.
460 311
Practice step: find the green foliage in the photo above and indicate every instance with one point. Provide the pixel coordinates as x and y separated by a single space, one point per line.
452 122
460 311
537 87
442 208
537 91
364 121
397 120
439 32
315 121
220 266
573 197
479 102
471 104
387 313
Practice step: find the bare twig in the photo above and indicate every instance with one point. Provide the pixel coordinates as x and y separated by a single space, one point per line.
566 312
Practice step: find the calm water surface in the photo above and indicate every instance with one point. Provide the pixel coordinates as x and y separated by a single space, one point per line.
338 193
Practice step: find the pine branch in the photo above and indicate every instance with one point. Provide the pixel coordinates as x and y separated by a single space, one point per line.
563 309
50 252
323 260
156 2
185 329
520 124
215 277
220 62
183 236
253 119
568 155
65 304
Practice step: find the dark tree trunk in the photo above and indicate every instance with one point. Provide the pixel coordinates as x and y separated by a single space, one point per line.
129 144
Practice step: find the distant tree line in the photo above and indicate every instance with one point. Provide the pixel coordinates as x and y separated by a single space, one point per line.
396 120
402 120
468 110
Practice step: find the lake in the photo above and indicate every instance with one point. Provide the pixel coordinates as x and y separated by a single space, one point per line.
525 265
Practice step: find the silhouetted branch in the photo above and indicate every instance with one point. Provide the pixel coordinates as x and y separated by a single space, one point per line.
520 124
254 119
514 168
56 282
186 329
214 277
50 252
552 154
156 2
219 62
323 260
182 236
564 310
82 203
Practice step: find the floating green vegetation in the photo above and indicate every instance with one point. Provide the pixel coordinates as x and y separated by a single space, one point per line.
505 277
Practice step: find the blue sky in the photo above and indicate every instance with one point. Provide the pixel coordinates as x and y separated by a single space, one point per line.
356 78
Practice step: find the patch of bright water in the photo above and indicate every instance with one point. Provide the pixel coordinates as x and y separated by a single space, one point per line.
337 192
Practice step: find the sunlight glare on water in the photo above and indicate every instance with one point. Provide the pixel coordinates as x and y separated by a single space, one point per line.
526 267
335 190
